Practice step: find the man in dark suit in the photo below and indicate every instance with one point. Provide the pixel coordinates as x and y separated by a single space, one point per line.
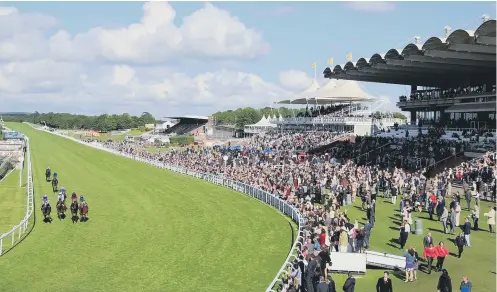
367 228
349 285
384 284
427 240
310 274
331 284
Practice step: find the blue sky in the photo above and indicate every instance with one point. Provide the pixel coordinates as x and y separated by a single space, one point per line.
298 33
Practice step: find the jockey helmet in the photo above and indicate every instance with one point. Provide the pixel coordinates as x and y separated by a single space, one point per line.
81 198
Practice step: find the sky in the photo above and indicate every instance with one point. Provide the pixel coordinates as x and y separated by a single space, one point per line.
196 58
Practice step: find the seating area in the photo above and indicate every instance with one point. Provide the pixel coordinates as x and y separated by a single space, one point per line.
431 94
182 128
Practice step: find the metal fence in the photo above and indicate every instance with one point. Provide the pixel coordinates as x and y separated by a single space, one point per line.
248 190
13 237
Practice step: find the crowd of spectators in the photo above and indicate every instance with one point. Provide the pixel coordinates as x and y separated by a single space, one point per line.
322 110
318 184
430 94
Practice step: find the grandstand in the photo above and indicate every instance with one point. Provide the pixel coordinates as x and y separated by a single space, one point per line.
187 125
452 78
339 106
452 81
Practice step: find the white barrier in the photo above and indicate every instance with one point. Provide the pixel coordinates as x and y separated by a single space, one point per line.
19 231
385 260
348 262
261 195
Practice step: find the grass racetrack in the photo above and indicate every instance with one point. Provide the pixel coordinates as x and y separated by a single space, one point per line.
148 229
12 203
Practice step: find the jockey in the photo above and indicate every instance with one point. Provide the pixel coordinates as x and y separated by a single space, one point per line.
63 190
60 197
45 200
55 175
82 201
74 196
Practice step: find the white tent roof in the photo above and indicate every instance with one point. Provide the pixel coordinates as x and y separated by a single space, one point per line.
264 122
309 92
348 90
332 92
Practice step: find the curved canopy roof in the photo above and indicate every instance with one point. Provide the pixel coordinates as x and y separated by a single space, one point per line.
463 57
333 92
309 92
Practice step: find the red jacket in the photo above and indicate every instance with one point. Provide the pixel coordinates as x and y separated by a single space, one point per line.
441 251
432 253
322 238
433 199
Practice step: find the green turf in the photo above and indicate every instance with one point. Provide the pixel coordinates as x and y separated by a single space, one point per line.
12 203
149 230
477 262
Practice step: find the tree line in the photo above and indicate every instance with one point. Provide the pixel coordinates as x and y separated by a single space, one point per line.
247 116
104 123
101 123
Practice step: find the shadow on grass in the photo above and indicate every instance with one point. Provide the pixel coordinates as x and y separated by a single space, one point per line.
358 208
394 228
436 230
399 275
392 245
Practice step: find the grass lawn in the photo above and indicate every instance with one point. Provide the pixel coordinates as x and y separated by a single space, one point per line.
149 230
12 204
477 262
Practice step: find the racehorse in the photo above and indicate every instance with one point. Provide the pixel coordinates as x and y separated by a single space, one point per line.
46 209
61 209
83 210
47 174
55 182
74 211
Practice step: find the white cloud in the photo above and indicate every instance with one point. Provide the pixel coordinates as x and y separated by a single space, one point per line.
370 6
209 31
122 75
58 71
295 79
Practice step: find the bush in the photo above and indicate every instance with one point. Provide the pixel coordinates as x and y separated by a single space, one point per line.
182 140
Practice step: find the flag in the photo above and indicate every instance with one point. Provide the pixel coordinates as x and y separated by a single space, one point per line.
313 65
349 57
330 61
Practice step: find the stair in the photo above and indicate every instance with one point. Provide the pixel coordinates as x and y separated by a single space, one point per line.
447 163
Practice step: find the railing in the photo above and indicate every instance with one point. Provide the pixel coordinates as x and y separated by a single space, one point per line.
367 153
259 194
21 230
445 160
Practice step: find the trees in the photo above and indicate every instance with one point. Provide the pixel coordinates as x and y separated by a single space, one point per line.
246 116
102 123
399 116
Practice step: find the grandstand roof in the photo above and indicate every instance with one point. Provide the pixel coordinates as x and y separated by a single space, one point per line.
189 117
333 92
462 57
309 92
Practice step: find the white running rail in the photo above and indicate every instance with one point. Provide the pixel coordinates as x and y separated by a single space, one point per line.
13 237
256 193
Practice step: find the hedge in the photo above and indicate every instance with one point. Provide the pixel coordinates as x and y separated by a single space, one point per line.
182 140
